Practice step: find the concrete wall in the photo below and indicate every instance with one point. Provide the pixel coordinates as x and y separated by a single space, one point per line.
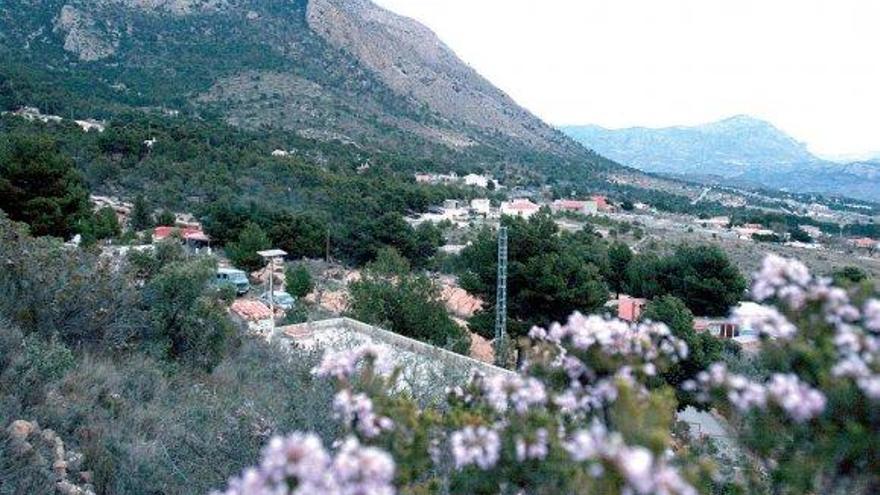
431 353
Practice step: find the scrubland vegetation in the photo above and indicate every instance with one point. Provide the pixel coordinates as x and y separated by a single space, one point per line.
136 366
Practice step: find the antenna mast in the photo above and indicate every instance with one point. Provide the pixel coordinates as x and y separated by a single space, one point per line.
501 301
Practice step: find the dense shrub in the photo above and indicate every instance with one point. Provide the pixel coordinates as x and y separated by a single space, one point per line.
189 320
143 431
299 281
550 273
49 289
41 186
389 295
701 276
243 252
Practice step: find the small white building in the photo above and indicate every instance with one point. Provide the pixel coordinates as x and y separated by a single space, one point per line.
481 206
522 208
91 125
574 206
451 204
812 230
715 222
476 180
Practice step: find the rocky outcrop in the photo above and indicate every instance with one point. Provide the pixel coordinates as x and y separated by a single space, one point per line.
28 443
175 7
411 60
83 36
329 70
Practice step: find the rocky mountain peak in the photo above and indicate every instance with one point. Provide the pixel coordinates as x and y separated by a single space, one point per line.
328 70
415 63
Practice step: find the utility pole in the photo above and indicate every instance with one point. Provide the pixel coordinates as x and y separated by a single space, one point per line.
501 301
327 246
270 256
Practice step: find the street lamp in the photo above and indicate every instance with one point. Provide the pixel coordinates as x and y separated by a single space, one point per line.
270 256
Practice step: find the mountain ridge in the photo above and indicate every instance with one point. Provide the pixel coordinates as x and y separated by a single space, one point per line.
328 70
739 150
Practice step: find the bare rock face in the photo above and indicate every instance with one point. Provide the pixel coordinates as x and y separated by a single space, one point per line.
412 61
175 7
84 36
333 70
306 107
20 430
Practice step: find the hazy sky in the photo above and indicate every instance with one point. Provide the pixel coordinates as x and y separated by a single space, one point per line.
812 67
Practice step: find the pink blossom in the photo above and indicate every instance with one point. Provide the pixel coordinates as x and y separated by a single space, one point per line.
782 278
298 455
343 364
640 469
636 463
645 341
356 411
765 320
535 448
476 445
870 386
800 401
872 315
363 470
300 460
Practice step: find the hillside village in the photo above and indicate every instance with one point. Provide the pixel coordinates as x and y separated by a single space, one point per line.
330 296
265 247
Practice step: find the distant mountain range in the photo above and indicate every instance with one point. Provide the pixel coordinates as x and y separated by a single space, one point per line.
740 150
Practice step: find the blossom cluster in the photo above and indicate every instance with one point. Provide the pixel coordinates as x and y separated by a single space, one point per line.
475 445
343 364
643 472
300 465
782 278
533 448
765 320
645 341
504 391
635 351
356 411
584 391
857 331
799 401
601 450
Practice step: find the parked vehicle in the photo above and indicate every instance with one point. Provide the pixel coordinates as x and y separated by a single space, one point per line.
237 279
282 299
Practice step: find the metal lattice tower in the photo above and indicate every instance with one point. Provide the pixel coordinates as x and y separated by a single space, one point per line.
501 301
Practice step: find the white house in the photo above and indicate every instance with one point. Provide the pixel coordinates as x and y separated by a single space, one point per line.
481 206
574 206
523 208
476 180
812 230
715 222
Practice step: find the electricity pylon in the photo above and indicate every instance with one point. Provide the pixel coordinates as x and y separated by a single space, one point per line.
501 301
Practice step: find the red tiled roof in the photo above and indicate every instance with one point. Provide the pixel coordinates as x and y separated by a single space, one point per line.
189 233
251 310
522 204
865 242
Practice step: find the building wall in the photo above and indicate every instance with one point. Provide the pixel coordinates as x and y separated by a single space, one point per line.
427 367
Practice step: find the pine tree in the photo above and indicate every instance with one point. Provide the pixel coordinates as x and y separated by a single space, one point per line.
140 218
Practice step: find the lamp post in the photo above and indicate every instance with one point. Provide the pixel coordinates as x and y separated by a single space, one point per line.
270 256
